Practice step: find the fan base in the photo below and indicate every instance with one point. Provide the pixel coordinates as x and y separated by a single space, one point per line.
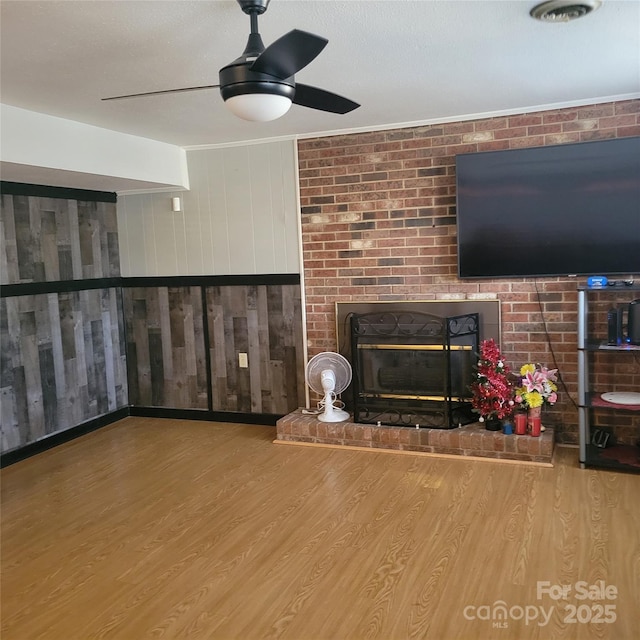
337 415
254 6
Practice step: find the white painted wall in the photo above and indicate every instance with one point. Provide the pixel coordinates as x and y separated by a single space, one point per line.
239 217
39 141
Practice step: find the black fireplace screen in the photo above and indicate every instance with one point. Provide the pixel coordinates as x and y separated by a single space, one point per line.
413 369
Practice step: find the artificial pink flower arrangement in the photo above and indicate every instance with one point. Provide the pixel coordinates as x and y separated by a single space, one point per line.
537 386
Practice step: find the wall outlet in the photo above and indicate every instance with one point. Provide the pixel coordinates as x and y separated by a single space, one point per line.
243 360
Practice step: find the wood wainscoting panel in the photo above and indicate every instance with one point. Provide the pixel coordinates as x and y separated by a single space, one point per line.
53 239
62 362
166 347
265 322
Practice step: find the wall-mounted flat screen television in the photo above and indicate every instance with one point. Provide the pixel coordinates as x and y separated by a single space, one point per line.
571 209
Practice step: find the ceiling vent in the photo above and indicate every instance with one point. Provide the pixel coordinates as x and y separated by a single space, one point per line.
564 10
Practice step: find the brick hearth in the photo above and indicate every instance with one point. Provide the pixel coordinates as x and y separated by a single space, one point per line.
470 440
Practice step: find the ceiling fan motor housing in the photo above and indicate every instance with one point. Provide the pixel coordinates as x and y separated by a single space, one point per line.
237 79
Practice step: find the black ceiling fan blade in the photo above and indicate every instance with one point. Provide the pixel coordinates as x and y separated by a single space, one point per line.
157 93
308 96
288 54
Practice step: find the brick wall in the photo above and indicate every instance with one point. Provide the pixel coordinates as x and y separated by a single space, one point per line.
379 223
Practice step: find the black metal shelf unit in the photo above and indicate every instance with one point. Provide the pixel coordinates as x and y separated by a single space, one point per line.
598 444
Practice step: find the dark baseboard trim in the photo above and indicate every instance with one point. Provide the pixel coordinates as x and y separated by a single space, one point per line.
55 439
267 419
61 437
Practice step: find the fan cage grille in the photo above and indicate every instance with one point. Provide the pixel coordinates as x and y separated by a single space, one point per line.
328 360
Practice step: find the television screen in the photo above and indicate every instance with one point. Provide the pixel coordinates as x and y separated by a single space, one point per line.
550 211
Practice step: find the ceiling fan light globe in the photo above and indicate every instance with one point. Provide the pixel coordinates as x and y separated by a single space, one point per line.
258 107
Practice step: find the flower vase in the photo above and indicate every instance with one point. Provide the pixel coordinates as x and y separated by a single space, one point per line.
534 421
492 424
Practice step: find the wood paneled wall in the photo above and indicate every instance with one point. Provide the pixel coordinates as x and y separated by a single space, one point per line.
62 348
169 331
265 322
66 358
52 239
165 347
240 216
62 362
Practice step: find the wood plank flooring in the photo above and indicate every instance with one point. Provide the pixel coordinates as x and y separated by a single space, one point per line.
174 529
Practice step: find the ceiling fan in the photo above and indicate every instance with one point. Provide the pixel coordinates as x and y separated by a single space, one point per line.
260 85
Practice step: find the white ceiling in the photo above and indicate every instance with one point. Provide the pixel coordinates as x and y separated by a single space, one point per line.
404 61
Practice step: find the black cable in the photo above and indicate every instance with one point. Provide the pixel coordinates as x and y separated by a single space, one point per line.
548 338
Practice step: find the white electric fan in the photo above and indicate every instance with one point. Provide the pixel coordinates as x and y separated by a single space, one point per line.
329 374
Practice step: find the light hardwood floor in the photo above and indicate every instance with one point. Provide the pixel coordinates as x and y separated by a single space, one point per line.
175 529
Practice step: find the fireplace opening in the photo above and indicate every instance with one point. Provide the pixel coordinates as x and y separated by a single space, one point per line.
413 369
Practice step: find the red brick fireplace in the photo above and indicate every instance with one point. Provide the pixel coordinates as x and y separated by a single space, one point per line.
472 440
379 224
432 415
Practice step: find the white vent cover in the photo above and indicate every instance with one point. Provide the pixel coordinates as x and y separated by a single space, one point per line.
564 10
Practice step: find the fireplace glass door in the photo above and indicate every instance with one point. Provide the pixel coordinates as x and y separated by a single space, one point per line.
413 368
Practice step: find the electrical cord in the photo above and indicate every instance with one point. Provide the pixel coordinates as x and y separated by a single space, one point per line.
548 338
335 401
